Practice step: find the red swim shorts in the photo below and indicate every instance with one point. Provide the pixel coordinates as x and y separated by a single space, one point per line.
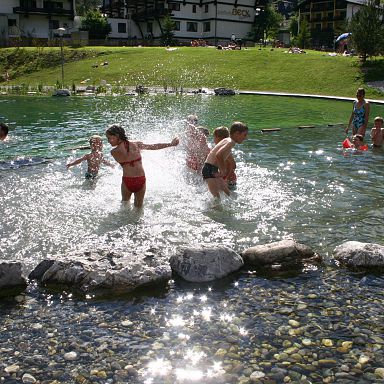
134 184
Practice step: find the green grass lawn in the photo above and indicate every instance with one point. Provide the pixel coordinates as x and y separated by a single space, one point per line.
247 69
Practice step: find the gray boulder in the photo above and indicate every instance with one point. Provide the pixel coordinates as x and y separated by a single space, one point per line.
103 270
11 275
355 254
205 263
284 252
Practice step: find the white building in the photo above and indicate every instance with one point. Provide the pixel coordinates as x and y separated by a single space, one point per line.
212 20
34 19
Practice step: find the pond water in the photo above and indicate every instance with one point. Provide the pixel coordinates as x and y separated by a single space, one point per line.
291 183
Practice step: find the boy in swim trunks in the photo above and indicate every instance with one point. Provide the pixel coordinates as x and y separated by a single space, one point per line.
219 134
128 155
215 170
94 159
377 132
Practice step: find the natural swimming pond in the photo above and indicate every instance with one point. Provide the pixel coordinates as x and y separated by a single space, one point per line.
292 183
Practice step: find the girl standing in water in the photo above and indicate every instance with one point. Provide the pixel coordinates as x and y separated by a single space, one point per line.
360 114
127 153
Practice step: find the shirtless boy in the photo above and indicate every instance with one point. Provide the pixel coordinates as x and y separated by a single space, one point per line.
94 159
215 169
377 134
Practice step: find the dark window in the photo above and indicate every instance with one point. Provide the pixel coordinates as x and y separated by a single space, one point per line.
207 26
194 8
11 22
54 24
206 7
191 27
121 27
52 5
177 26
149 27
28 3
174 6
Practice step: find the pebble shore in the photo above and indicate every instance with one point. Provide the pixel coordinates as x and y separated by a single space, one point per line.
314 327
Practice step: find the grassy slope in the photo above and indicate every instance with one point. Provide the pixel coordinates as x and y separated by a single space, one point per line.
249 69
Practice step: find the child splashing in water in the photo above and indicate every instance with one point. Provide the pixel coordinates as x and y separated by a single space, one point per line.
127 153
94 159
215 171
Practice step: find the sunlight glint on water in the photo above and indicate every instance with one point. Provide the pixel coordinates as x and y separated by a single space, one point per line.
292 183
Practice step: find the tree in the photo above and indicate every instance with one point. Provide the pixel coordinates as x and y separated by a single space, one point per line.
83 6
294 25
96 24
167 35
367 30
267 23
304 35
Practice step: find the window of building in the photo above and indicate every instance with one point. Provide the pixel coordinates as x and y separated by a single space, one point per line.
28 3
191 27
11 22
177 26
53 24
121 27
174 6
194 8
318 27
206 7
343 15
330 15
329 26
207 26
53 5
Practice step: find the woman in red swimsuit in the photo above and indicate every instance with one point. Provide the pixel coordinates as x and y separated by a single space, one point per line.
127 153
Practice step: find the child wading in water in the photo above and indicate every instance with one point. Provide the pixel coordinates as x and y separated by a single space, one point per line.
377 134
360 114
127 153
94 159
219 134
215 171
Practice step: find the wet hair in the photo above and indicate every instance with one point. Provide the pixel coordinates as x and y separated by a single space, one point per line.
238 126
94 137
192 119
361 90
221 132
4 127
203 131
379 118
358 136
116 130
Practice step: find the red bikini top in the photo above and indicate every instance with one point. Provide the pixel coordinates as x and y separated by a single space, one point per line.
132 162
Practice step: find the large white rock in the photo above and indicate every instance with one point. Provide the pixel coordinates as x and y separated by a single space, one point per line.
11 275
287 252
103 270
357 254
205 263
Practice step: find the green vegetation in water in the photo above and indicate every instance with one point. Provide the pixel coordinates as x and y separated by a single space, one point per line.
254 69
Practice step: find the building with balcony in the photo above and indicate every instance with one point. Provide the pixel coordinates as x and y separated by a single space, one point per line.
327 19
211 20
34 19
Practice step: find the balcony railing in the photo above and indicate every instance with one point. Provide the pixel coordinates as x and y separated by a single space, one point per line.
43 11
